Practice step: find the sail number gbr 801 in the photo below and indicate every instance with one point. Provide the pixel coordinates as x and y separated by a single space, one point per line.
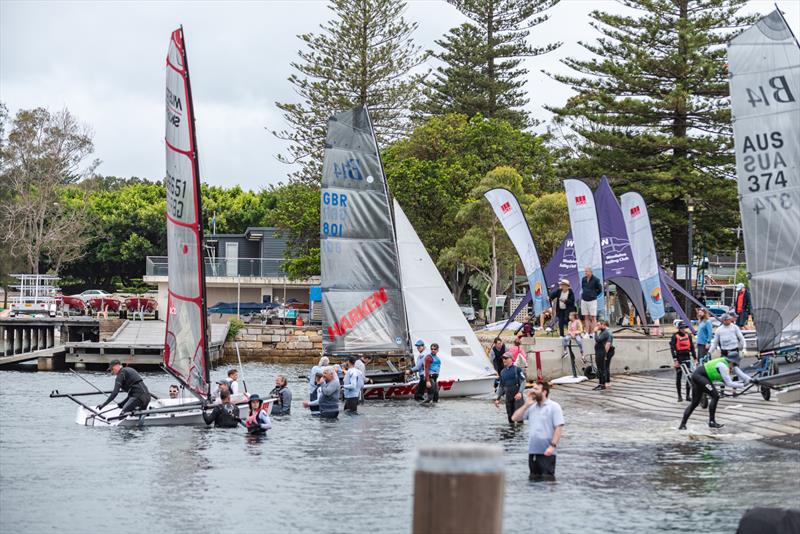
765 170
176 195
334 213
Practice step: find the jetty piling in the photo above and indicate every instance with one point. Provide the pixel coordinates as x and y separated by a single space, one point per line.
459 488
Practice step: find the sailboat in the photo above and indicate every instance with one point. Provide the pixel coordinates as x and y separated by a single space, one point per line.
764 65
380 287
186 355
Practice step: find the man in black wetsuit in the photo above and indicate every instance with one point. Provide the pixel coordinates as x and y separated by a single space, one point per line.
225 415
130 381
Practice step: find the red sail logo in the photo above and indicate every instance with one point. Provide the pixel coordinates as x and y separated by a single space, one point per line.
635 211
580 200
349 320
506 207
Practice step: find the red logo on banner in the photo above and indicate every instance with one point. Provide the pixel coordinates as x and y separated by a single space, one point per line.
635 211
580 200
506 207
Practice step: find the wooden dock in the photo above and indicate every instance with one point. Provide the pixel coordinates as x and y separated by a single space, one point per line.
654 396
137 343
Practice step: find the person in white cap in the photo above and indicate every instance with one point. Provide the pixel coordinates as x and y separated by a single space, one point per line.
564 303
728 337
741 305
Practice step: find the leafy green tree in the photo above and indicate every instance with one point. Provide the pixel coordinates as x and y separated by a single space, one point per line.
480 71
236 210
432 174
129 224
297 214
365 55
43 153
652 113
485 245
548 218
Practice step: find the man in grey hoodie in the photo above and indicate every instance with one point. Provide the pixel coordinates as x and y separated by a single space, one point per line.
328 397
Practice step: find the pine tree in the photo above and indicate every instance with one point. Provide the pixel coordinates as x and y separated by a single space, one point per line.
652 113
481 70
365 55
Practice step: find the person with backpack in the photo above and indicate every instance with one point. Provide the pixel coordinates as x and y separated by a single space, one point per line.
682 348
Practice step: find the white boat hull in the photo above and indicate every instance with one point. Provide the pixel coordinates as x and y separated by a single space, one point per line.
192 415
448 388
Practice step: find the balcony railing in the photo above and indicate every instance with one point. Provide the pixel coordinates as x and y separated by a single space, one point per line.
255 267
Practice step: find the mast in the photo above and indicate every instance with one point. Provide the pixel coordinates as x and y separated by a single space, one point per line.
393 220
199 201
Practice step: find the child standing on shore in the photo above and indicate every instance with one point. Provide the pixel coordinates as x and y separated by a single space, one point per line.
574 333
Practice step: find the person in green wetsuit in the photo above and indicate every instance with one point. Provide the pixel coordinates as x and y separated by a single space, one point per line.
703 378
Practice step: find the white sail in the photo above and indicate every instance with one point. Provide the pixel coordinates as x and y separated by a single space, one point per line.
508 211
637 223
764 64
433 314
585 233
186 343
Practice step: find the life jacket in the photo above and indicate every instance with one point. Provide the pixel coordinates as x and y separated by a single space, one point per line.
712 372
683 343
510 378
740 301
435 365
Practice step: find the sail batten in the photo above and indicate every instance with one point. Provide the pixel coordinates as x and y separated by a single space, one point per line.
186 340
362 301
764 65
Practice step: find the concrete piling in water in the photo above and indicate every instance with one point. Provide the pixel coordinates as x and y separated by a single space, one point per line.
459 489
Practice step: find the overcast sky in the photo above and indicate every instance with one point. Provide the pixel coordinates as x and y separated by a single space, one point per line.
105 63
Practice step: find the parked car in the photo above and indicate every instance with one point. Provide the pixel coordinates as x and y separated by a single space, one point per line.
469 313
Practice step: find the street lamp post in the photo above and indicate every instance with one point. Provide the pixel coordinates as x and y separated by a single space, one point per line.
690 210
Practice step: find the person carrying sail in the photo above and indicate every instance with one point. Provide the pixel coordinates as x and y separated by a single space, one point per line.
131 382
703 378
682 348
225 415
257 421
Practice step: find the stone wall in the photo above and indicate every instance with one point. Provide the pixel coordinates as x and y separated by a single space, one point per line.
275 343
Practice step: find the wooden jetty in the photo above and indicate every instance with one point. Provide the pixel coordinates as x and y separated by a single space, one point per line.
137 343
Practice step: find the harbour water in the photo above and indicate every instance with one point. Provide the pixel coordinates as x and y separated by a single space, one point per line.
616 472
